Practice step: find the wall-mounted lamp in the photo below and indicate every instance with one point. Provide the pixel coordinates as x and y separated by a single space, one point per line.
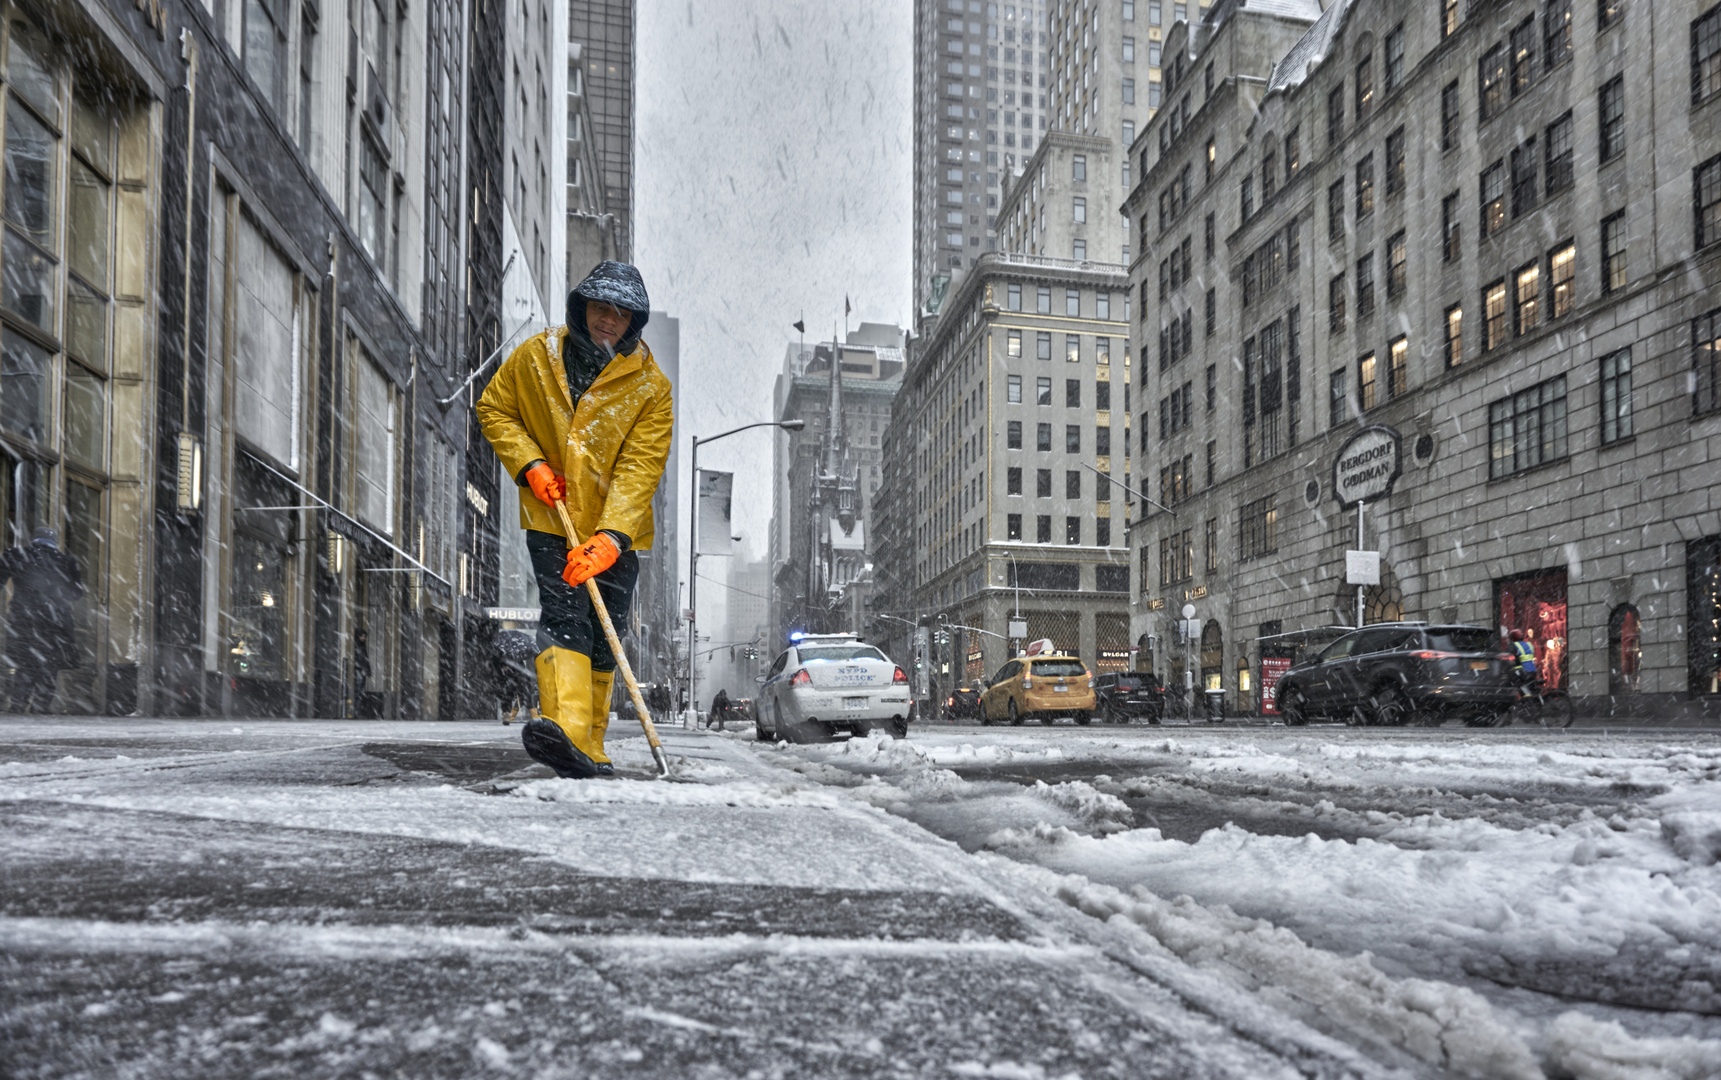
190 479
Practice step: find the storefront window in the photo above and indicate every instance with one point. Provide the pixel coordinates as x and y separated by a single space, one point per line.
1536 604
1625 650
257 627
1212 656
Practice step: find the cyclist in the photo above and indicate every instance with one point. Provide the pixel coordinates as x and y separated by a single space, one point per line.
1523 659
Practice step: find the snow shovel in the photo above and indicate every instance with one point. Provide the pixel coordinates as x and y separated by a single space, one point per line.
615 647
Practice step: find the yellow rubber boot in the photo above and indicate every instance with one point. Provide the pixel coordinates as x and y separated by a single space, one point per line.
602 684
562 737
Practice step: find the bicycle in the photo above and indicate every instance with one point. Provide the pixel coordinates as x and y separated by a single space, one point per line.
1536 705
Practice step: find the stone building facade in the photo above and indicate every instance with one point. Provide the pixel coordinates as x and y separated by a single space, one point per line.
1489 228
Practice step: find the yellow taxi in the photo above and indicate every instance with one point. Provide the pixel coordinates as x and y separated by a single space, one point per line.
1041 683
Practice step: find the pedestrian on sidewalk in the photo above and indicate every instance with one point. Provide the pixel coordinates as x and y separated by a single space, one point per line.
581 413
46 587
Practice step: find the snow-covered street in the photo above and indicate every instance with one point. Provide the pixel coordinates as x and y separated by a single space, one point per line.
206 899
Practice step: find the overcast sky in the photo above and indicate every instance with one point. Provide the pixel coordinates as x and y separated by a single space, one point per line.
772 157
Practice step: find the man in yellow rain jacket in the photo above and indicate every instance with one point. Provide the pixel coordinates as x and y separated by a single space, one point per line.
582 413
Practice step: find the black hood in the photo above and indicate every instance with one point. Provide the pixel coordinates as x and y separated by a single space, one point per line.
615 283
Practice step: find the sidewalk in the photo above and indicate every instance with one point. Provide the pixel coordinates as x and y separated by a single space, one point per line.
214 899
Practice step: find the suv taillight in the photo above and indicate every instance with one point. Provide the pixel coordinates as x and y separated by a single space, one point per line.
1027 682
801 679
1090 676
899 679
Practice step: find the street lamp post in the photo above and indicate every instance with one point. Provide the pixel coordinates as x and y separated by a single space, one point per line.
690 719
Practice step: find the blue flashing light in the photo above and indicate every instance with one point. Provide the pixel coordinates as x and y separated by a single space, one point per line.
797 635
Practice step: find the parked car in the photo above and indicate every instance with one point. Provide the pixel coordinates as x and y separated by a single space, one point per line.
826 685
1392 673
1123 696
1043 687
962 704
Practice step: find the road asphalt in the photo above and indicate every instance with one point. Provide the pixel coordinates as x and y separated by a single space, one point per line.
353 899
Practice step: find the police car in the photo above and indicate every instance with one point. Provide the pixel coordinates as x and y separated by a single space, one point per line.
825 685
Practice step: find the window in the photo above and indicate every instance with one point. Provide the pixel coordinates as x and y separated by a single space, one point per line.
1013 435
1616 396
1396 270
1246 196
1102 305
1269 173
1212 160
1079 209
1073 348
1493 198
1365 286
1129 50
1557 33
1102 350
1102 438
1451 115
1258 528
1613 252
1527 429
1523 55
1072 438
1013 302
1078 165
1364 86
1043 345
1454 336
1072 302
1365 383
1072 393
1043 391
1494 316
1707 189
1612 105
1013 526
1529 297
1013 390
1336 212
1335 115
1043 438
1129 91
1212 386
1337 403
1608 13
1394 59
1448 17
1210 311
1013 480
1102 395
1524 178
1293 153
1397 367
1449 227
1706 362
1559 155
1042 483
1491 75
1395 163
1072 484
1336 305
1043 529
1365 186
1562 272
1043 300
1212 447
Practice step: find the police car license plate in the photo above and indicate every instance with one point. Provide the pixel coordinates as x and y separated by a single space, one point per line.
855 702
1060 689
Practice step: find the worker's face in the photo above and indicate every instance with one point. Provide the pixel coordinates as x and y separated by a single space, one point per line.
606 323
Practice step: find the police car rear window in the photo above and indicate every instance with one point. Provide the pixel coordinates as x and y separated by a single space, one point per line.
840 652
1056 669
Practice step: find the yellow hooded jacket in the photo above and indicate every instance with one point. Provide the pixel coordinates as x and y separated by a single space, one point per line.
611 449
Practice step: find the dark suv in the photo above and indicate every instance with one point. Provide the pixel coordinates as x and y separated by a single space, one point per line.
1391 673
1129 695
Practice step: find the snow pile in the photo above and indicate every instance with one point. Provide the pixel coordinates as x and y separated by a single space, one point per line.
1442 1025
657 793
1589 1049
1106 813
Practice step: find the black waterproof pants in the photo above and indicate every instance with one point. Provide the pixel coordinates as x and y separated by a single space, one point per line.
569 622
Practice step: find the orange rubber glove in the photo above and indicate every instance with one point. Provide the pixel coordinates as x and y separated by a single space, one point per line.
591 559
545 484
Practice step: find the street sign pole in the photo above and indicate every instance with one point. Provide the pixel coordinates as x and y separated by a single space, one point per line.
1359 508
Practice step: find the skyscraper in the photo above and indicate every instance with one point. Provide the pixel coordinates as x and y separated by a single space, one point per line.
604 30
980 109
